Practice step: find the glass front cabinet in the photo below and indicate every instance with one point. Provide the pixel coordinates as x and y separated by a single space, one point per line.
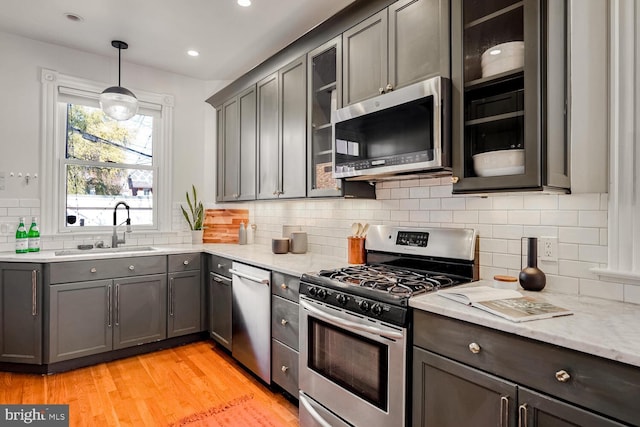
325 96
509 74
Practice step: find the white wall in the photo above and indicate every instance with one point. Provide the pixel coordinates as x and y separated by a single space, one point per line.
20 67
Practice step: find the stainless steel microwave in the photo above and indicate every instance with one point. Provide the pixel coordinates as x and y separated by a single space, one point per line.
407 130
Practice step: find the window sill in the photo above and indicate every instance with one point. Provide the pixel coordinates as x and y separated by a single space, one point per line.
607 275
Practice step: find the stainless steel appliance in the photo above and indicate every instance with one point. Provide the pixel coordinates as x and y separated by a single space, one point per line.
251 339
355 324
407 130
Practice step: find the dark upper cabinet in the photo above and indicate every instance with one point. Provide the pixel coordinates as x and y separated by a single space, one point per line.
402 44
509 75
237 147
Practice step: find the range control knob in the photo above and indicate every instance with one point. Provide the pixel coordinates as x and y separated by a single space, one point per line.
342 298
364 305
313 291
376 309
322 294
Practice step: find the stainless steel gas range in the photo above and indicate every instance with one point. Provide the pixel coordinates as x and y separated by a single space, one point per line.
355 324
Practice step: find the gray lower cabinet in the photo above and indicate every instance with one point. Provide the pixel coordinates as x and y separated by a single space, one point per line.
466 374
184 297
403 44
21 313
220 301
93 317
284 331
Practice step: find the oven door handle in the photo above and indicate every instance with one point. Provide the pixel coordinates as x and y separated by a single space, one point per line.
349 324
312 411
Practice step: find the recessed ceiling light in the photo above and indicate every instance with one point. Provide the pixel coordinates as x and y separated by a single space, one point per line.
244 3
73 17
193 53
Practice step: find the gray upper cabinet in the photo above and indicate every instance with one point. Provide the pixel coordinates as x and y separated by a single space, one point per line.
237 147
509 77
238 122
21 313
400 45
220 156
268 136
282 132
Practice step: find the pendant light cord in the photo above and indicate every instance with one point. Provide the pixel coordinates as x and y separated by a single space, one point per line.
119 62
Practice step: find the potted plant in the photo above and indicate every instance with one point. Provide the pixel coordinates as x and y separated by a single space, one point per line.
194 217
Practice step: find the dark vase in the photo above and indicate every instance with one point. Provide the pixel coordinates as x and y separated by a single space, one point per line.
531 277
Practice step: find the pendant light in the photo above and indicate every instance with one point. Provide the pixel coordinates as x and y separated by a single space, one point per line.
118 102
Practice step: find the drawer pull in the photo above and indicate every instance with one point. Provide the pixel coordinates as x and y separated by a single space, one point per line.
504 411
131 267
284 322
93 270
474 348
185 262
283 286
284 368
563 376
220 266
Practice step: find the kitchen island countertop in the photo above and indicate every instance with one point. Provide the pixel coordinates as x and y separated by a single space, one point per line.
601 327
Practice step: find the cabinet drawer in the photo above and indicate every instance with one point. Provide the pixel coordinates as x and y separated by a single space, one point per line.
599 384
184 262
220 265
284 367
284 321
78 271
285 285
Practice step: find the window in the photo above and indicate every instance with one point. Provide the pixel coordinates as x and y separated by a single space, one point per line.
95 162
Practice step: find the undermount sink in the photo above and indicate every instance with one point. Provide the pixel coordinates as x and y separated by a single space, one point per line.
104 250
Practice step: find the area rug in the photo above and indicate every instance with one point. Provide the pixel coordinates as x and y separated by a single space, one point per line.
243 411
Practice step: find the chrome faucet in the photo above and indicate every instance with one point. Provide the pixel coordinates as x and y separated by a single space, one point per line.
114 238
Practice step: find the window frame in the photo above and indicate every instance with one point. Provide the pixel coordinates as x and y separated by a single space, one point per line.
53 162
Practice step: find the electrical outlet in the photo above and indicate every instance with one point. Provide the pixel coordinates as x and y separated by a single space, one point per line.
549 249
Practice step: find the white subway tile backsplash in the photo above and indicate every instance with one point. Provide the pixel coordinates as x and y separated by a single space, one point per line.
561 218
493 217
400 193
506 261
399 216
598 289
541 202
484 231
465 217
507 231
569 251
486 258
478 203
383 193
577 269
9 203
430 204
579 201
442 216
493 245
441 190
581 235
453 204
524 217
419 216
592 219
539 231
419 192
508 202
563 284
18 212
411 204
593 253
632 294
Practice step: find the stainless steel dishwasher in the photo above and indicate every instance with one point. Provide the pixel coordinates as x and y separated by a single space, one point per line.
251 341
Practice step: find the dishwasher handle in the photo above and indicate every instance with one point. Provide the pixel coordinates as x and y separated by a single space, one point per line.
249 277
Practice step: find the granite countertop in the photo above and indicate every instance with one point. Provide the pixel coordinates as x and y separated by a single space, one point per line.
597 326
257 255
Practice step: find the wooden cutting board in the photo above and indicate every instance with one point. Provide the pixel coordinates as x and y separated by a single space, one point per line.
221 225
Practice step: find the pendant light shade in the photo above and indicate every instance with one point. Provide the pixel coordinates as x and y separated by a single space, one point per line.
118 102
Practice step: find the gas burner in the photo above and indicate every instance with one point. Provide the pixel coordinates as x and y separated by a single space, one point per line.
392 280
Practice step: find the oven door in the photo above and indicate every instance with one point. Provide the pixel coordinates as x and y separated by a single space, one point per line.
353 366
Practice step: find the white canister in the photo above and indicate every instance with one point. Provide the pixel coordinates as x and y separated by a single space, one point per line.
298 242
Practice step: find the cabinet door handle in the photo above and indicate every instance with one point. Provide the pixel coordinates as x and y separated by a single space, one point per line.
474 348
504 411
220 266
381 90
284 322
284 368
132 267
455 179
522 415
117 304
109 306
563 376
389 88
34 292
171 297
283 286
185 262
93 270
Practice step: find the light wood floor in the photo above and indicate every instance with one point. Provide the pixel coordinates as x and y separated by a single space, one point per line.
154 389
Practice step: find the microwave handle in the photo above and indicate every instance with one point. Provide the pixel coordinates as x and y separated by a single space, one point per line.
349 324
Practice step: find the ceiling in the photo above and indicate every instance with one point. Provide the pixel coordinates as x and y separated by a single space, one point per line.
231 39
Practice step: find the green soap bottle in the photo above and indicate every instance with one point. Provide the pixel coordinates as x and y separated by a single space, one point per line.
22 239
34 236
